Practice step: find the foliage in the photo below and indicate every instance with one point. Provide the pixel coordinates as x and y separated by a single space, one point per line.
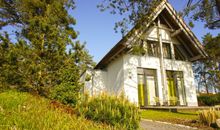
133 11
209 99
65 93
24 111
139 49
44 31
208 70
207 11
116 111
209 117
68 90
212 47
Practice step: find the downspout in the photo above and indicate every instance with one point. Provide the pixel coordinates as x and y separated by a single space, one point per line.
163 73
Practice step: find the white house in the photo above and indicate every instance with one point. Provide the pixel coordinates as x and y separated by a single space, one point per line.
162 76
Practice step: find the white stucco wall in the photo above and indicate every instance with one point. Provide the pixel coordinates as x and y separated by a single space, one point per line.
110 80
115 76
97 83
131 63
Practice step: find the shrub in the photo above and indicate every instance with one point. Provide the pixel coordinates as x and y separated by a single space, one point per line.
65 93
209 117
116 111
209 99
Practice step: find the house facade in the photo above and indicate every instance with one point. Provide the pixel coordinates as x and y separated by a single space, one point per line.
163 75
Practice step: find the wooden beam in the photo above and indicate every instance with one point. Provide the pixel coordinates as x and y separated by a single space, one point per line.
176 32
166 22
164 28
195 58
187 48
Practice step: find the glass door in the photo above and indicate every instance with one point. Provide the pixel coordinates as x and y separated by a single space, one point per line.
176 91
147 87
151 90
180 87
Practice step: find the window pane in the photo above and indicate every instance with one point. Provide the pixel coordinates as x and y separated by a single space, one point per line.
151 90
166 50
147 87
176 89
152 48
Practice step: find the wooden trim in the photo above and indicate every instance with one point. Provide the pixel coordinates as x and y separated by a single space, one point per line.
167 22
176 32
186 29
195 58
187 48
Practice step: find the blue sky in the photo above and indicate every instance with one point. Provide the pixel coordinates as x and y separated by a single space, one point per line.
96 28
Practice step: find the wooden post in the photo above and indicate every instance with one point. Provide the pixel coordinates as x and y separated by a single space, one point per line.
172 51
163 73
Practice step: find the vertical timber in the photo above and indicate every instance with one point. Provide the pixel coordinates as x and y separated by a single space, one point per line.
163 73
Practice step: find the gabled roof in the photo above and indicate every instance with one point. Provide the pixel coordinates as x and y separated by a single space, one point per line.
165 10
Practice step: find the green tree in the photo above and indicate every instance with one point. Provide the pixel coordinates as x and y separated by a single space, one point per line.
212 47
45 34
207 11
207 71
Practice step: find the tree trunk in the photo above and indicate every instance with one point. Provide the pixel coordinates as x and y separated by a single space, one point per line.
218 6
215 90
206 85
207 89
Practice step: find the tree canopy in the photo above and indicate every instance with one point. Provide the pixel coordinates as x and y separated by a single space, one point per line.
45 54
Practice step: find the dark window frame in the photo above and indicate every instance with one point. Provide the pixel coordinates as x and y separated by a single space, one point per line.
152 48
166 47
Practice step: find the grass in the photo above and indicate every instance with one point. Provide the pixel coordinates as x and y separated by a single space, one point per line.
24 111
165 115
185 117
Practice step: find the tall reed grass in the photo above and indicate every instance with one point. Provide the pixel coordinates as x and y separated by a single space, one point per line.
114 110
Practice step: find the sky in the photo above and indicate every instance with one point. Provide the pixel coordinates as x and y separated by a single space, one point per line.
97 28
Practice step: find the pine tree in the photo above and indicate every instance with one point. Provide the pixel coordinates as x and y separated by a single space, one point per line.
40 54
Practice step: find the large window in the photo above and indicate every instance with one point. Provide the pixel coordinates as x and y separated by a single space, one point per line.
176 89
167 51
152 48
147 87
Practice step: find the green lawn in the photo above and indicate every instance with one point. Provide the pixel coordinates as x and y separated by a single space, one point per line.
25 111
185 117
165 115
